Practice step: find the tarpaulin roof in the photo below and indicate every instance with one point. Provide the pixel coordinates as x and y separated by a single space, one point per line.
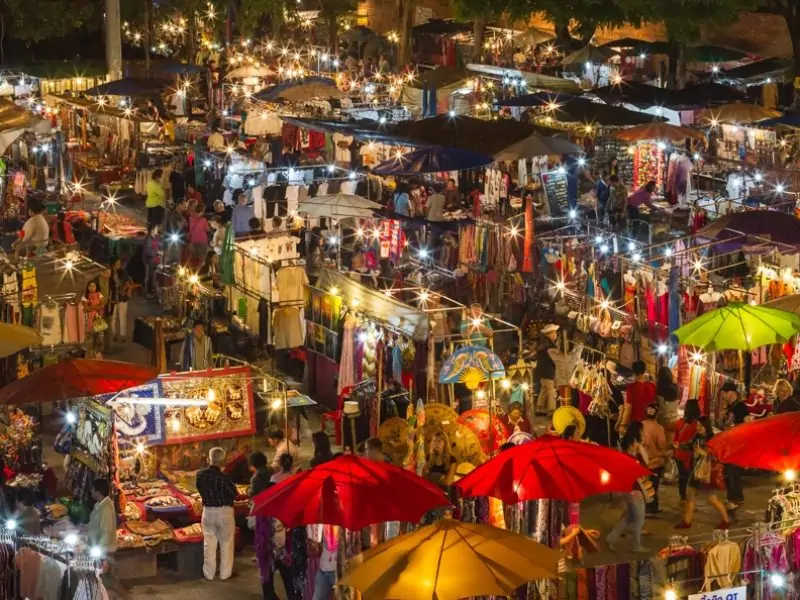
93 107
442 27
758 69
643 94
371 302
534 80
573 109
129 86
13 116
433 160
316 85
439 77
787 120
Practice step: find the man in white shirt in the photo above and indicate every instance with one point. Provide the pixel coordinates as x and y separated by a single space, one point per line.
103 533
35 232
216 141
282 446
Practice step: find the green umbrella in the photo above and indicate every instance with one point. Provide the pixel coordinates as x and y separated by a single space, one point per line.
739 326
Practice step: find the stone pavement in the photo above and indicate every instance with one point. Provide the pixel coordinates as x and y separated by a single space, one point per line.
596 513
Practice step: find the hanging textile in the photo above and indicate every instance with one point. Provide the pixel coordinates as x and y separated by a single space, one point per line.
528 258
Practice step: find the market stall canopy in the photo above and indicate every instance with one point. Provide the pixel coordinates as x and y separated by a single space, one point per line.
13 116
468 133
440 77
791 120
739 326
553 468
627 43
533 80
588 54
758 71
709 92
449 560
533 36
736 112
299 90
396 314
636 92
659 131
249 71
713 54
566 108
787 303
538 145
338 205
76 378
772 225
129 86
772 444
14 338
442 27
433 160
538 99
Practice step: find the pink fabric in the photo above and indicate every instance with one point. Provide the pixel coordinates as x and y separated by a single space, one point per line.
28 564
74 324
347 372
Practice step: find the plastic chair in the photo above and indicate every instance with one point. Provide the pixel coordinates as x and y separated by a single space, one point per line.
336 416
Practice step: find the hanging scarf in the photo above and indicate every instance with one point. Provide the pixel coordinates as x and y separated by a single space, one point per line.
527 257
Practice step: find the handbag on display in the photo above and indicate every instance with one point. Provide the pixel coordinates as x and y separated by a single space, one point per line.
99 325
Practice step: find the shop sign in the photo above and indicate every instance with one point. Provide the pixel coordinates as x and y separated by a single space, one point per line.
737 593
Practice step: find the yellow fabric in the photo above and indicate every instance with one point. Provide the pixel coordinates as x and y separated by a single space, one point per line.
449 560
155 194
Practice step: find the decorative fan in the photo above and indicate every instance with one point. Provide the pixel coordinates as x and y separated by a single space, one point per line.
472 365
477 420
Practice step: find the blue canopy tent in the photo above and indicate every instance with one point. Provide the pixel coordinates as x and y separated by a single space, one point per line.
433 160
129 86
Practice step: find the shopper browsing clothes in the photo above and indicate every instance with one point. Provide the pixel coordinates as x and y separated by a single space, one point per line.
218 493
635 500
737 413
546 371
654 444
700 480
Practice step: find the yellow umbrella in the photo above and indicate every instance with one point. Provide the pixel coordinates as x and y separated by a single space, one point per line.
449 560
736 112
14 338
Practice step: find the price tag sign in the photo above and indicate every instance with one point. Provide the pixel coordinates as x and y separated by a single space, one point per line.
737 593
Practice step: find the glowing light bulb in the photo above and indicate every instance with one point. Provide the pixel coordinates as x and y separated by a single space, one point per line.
662 348
71 418
505 384
789 475
211 394
777 580
334 291
71 539
605 477
96 552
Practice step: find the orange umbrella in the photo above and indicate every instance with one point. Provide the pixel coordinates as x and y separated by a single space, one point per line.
659 131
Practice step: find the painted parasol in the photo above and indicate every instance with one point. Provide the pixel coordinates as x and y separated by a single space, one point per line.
471 365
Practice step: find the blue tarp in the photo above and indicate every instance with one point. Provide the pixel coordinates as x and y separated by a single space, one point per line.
787 120
433 160
129 86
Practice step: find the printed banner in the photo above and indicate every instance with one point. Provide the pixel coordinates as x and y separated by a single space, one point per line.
737 593
144 422
92 434
230 410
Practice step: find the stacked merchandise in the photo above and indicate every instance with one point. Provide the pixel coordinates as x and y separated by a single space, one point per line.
648 165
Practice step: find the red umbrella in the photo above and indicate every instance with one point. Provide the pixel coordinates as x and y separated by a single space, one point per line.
553 468
76 378
351 492
772 443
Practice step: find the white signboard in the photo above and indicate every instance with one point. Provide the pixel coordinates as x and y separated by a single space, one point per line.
737 593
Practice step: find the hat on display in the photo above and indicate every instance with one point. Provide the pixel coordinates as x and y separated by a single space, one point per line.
611 366
549 328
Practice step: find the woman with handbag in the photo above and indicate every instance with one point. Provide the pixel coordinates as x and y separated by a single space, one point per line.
637 498
700 479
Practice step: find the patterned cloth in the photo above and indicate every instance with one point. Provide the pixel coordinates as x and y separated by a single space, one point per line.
216 488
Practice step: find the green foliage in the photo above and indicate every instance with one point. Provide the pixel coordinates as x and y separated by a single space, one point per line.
36 20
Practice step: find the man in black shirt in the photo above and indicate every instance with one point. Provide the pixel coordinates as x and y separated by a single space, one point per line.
218 493
737 413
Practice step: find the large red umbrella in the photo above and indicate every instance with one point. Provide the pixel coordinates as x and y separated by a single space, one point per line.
772 443
553 468
351 492
76 378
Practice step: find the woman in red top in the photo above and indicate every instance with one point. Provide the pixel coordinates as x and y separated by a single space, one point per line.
685 430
